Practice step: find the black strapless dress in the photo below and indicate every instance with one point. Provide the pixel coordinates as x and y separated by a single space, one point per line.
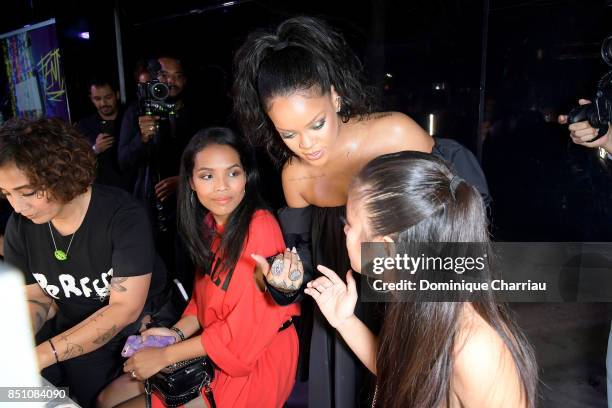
335 375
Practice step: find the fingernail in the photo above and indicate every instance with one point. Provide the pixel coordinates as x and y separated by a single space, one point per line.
294 250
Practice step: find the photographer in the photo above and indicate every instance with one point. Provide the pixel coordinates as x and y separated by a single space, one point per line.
582 133
590 122
151 143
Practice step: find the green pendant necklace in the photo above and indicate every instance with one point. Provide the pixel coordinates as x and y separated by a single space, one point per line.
58 253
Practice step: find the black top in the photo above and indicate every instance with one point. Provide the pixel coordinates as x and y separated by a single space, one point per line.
463 162
160 157
114 240
108 171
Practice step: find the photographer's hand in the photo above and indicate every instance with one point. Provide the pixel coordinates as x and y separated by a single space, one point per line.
166 187
582 132
148 127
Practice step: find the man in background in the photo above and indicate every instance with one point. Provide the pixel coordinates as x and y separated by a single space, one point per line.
102 130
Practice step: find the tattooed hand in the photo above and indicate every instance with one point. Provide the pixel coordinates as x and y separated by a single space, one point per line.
286 272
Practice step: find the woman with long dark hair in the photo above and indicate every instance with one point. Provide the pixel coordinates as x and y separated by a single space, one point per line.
299 92
428 354
230 317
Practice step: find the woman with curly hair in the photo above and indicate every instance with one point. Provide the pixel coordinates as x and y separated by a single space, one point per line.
86 252
299 92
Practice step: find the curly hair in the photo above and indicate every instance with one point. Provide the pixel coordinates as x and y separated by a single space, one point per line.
303 54
53 154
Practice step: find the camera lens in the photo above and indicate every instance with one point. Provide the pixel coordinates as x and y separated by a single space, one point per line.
160 91
606 50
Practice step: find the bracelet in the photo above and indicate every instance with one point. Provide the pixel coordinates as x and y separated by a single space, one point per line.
54 351
179 332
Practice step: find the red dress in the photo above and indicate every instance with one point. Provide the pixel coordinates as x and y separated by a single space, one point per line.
257 363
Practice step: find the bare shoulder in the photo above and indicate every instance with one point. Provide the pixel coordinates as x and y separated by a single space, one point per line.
394 131
292 171
484 371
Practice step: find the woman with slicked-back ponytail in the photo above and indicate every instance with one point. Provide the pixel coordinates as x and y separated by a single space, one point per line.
429 354
298 91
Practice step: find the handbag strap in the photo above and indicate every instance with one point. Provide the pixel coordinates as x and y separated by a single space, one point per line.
147 386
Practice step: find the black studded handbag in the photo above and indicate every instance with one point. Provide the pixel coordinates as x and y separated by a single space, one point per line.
181 382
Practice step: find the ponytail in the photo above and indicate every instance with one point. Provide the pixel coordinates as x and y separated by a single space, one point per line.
303 54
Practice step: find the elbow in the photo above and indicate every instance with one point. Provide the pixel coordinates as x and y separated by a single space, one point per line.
129 314
133 314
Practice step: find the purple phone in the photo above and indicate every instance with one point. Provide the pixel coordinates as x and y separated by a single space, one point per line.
135 343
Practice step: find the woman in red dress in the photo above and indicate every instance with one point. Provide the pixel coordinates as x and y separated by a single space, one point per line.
230 317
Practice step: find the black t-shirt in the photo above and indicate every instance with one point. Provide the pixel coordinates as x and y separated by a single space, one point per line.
114 240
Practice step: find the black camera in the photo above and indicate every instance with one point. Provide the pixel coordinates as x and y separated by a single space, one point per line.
153 95
152 99
599 112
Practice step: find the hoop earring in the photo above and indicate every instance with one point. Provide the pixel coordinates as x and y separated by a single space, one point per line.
192 199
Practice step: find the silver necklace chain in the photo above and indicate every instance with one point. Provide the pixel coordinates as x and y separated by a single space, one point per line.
53 239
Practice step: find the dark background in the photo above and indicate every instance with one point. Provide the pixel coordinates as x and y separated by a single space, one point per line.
505 70
540 55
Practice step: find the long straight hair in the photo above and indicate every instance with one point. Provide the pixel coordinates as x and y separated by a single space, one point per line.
408 196
191 213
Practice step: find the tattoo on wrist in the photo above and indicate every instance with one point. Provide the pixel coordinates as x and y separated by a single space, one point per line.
72 350
281 285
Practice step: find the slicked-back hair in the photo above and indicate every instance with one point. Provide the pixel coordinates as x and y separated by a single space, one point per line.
303 54
408 196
